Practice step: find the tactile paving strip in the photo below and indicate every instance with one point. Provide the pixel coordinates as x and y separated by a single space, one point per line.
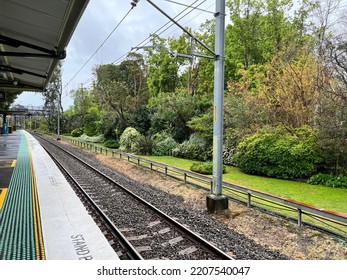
20 225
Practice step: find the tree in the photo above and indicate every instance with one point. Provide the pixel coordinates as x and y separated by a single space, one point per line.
162 69
119 91
92 121
332 81
52 97
257 31
133 72
281 92
171 113
110 93
186 77
203 70
75 116
10 97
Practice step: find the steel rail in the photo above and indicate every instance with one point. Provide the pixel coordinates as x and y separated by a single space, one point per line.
183 230
131 251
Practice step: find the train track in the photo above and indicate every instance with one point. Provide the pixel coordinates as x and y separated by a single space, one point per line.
142 231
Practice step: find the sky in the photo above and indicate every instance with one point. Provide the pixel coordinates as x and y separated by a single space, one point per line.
98 21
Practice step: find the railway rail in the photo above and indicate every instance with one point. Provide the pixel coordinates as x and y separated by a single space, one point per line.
303 214
142 230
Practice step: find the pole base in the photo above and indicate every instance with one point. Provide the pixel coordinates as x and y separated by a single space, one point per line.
216 203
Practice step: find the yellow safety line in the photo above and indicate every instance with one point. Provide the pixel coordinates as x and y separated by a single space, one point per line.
14 162
2 197
39 246
37 222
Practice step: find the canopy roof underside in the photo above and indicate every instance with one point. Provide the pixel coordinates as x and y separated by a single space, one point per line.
33 37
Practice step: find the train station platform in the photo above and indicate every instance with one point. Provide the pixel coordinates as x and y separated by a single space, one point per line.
41 217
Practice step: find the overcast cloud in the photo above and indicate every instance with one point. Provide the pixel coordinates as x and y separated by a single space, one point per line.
97 22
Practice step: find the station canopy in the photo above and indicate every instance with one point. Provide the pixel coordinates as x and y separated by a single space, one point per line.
34 35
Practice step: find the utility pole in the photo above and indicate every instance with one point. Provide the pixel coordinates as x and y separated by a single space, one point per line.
191 63
215 201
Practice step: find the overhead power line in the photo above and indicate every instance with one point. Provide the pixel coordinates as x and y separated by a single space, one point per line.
185 5
95 52
159 31
178 17
180 26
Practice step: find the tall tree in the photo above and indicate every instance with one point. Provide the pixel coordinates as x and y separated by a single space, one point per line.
171 113
332 110
162 68
203 71
120 90
133 72
76 115
257 31
52 97
111 93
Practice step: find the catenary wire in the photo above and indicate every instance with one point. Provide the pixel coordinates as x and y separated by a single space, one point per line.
161 32
145 40
185 5
95 52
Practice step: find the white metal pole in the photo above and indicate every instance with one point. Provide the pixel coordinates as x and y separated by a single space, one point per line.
218 98
216 201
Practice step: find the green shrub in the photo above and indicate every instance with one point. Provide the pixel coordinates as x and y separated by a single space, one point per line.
194 148
112 144
145 145
77 132
165 145
93 139
328 180
279 154
128 140
204 167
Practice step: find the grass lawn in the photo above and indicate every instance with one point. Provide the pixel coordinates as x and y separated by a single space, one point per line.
319 196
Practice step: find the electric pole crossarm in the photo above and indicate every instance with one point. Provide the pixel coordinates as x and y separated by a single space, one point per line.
174 53
152 47
190 56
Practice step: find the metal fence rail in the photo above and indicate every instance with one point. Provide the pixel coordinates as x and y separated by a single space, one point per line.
335 223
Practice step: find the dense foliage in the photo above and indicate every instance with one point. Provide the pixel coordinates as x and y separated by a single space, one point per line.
77 132
113 144
194 148
279 153
165 145
329 180
285 66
